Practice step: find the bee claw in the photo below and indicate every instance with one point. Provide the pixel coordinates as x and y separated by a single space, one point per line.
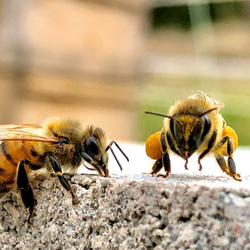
147 173
30 215
236 177
163 175
73 197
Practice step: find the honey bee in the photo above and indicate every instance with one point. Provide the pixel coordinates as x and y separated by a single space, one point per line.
58 146
193 125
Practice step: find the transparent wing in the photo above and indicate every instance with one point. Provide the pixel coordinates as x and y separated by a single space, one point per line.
24 132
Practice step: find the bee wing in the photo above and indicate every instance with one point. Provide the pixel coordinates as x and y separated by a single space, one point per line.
219 104
24 132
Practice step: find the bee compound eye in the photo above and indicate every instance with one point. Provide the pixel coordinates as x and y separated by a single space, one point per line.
91 145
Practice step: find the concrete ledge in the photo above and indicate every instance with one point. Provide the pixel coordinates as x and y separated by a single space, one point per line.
130 212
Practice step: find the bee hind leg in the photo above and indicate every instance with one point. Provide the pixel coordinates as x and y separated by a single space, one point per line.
166 164
230 167
157 166
25 188
230 160
165 156
58 172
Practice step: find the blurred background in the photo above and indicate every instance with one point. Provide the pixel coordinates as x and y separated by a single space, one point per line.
200 45
106 63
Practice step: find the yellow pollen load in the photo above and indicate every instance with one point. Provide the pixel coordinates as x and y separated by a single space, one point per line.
228 131
153 146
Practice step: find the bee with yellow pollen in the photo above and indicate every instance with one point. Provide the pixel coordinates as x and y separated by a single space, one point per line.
193 125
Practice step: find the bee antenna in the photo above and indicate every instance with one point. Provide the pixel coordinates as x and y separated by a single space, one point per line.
210 110
158 114
113 153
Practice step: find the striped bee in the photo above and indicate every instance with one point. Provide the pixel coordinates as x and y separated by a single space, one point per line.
58 146
194 125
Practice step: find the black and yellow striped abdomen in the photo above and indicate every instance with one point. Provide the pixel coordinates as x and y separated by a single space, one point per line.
11 152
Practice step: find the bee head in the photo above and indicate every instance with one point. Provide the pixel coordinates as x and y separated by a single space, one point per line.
75 143
189 131
94 150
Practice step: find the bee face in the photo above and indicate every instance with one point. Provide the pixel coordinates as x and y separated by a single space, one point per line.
188 132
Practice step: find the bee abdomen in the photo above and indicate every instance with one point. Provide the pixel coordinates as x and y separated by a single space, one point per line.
5 153
33 152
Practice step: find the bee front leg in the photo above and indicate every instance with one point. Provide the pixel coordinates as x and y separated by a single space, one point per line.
86 157
25 188
211 143
58 171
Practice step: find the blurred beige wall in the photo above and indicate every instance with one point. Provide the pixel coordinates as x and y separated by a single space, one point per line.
75 59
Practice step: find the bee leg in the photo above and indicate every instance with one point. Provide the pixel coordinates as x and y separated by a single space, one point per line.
211 143
166 164
88 158
25 188
199 162
223 165
165 156
186 163
230 161
230 167
156 167
58 171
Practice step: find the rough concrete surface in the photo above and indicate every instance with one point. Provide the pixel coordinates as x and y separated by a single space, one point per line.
139 212
188 210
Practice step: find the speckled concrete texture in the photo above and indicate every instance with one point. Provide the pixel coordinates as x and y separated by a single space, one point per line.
130 212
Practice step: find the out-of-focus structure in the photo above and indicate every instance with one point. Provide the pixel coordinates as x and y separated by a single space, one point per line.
82 59
73 59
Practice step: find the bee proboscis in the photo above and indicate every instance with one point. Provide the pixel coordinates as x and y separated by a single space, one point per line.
194 125
58 146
